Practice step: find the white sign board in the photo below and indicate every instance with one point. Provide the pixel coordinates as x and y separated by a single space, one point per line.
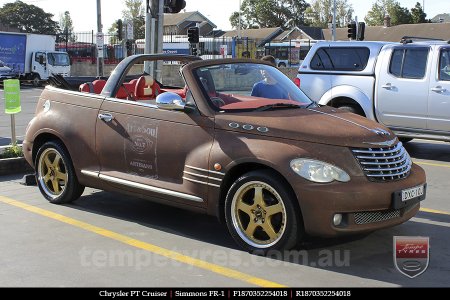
130 33
100 43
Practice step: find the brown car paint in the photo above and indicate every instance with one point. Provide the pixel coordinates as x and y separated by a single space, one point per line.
187 144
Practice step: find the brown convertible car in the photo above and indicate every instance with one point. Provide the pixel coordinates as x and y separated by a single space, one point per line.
232 138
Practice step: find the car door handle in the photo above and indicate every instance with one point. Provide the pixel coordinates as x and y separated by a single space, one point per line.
438 89
106 117
387 86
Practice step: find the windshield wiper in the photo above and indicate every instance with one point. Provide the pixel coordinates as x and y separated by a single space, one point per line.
312 104
276 106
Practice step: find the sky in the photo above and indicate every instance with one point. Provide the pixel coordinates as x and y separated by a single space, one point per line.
84 12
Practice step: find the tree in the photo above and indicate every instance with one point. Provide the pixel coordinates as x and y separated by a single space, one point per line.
66 28
134 12
28 18
270 13
418 15
397 13
320 13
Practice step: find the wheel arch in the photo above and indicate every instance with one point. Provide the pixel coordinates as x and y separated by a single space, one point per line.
41 139
240 169
348 95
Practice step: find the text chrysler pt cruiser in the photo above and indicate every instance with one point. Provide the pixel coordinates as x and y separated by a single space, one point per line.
233 138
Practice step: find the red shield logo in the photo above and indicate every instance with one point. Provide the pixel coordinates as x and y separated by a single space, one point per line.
411 254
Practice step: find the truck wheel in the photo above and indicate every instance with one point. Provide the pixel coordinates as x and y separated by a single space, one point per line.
36 80
352 109
260 213
55 174
281 65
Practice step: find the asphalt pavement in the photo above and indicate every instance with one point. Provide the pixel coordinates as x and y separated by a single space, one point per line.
107 239
111 240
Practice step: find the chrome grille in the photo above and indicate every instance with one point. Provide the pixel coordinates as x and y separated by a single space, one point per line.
384 164
376 216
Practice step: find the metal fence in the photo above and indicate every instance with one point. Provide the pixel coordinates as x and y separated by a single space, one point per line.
82 46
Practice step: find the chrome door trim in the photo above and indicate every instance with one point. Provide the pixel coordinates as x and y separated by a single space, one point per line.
143 186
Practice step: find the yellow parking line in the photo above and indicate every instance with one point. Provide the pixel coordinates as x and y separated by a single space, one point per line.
434 211
224 271
431 164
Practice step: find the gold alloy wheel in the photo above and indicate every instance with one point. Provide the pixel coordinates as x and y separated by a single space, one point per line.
52 173
258 214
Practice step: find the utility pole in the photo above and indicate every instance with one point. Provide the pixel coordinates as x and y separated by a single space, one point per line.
154 35
334 20
239 21
149 24
99 30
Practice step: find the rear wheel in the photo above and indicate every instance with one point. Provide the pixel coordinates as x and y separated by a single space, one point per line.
260 213
55 174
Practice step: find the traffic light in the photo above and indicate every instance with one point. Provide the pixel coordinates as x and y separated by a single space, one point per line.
119 29
361 29
351 30
193 35
174 6
129 47
194 51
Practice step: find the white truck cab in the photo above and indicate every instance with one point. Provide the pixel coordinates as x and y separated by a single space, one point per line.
405 86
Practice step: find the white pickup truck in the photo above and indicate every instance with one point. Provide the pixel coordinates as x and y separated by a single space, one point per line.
405 86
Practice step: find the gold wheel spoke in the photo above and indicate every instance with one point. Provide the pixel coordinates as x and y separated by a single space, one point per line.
47 177
259 196
251 228
245 208
62 176
56 161
267 227
55 184
47 162
274 209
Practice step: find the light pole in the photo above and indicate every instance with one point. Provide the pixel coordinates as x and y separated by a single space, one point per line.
99 29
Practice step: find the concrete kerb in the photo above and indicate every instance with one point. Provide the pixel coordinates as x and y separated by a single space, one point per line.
15 165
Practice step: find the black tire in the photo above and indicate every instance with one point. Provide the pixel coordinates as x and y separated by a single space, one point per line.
281 65
405 140
284 225
36 80
55 175
352 109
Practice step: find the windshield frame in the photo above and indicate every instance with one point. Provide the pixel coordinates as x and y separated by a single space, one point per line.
192 78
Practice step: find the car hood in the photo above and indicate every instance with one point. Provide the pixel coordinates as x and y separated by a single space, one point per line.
324 125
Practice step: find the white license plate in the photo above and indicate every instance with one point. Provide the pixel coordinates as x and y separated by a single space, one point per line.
412 193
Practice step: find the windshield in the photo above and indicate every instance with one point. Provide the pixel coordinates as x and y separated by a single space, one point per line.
58 59
249 86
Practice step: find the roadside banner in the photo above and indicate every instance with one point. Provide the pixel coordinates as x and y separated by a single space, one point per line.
12 96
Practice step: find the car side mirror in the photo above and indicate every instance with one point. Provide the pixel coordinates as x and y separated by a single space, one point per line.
170 101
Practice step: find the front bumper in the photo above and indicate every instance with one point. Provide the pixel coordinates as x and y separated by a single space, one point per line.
365 205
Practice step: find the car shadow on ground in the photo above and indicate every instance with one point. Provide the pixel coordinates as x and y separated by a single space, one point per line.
367 256
421 149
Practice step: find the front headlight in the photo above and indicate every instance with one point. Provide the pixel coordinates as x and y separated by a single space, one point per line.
318 171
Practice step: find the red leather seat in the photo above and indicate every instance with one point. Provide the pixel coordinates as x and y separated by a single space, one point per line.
95 87
98 84
146 88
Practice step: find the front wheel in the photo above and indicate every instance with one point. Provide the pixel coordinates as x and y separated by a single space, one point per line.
353 109
36 80
55 174
260 213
